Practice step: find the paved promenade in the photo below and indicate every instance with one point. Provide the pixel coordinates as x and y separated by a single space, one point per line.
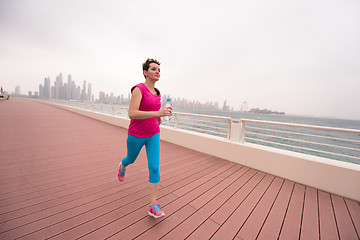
58 180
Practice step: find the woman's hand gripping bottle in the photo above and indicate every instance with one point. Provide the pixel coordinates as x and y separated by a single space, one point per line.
168 104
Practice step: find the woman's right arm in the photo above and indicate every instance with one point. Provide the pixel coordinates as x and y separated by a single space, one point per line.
135 113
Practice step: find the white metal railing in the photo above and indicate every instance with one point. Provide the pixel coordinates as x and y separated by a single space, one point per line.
213 125
100 108
336 143
329 143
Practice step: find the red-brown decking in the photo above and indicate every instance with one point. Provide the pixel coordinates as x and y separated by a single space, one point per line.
59 180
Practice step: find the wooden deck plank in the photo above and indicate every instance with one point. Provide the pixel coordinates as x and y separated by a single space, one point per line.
343 219
111 219
58 180
85 211
55 204
101 190
206 204
184 195
45 183
85 203
76 163
310 223
230 206
272 226
254 223
233 224
328 228
224 182
63 192
24 198
293 217
354 210
44 169
219 216
173 220
28 175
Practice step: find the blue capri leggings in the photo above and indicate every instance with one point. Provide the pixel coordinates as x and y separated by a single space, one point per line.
152 144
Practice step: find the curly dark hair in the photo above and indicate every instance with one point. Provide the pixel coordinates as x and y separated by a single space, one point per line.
147 63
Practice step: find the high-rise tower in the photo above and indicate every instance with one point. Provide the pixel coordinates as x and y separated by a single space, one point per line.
46 89
68 89
89 93
83 92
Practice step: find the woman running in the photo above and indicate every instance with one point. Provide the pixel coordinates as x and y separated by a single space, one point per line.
145 115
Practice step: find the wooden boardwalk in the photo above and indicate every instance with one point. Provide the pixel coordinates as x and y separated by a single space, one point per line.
58 180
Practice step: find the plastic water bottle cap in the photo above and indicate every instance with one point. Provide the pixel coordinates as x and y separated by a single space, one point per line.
168 100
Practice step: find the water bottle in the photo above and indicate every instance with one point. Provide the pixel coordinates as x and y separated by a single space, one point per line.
168 104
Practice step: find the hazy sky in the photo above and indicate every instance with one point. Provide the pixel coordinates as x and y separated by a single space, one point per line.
301 57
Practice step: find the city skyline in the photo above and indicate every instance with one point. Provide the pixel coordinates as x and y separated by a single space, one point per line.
71 91
63 92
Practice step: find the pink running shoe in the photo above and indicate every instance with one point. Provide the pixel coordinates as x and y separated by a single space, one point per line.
155 211
121 174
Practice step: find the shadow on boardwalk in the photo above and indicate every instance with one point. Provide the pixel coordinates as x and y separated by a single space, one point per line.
58 180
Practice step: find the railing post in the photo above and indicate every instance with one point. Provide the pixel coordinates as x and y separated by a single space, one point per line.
92 107
113 111
235 130
229 128
242 131
176 120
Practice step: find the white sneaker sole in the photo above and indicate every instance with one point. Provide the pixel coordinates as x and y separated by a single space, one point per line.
154 216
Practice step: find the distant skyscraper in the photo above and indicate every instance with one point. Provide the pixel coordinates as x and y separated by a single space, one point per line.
41 91
74 95
78 93
111 98
64 91
69 87
58 87
225 107
47 88
52 92
89 93
83 92
61 92
101 97
17 90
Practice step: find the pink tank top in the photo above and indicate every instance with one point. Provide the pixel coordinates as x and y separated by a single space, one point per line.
149 102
